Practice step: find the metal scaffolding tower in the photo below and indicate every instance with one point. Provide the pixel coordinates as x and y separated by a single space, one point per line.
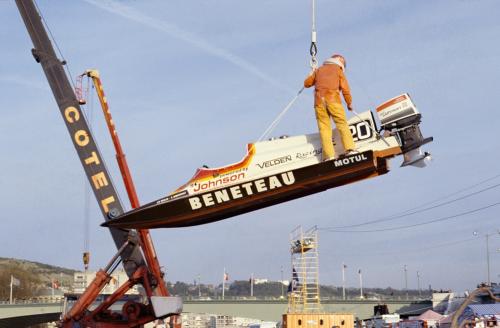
303 294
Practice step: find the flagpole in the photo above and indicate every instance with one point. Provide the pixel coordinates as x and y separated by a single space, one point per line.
360 284
282 286
406 280
223 283
343 281
11 282
251 285
199 286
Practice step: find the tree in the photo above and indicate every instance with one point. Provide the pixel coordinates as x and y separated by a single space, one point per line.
29 282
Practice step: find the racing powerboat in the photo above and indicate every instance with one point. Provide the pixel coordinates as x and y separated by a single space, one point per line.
285 168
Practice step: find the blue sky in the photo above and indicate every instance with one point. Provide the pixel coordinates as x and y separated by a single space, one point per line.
190 83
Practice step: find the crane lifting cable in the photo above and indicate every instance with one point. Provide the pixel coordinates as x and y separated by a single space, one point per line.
86 228
313 62
86 211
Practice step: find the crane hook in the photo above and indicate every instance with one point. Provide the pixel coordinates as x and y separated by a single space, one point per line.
313 49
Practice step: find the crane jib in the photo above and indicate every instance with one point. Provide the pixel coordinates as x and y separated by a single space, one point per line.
92 162
81 136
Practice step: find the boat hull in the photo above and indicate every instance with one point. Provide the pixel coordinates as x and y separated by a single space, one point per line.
222 203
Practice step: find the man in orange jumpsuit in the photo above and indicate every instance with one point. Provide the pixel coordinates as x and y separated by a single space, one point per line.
329 80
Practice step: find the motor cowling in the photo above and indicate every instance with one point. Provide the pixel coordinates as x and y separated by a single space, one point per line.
399 116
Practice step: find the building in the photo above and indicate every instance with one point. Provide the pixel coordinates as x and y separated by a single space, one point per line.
431 318
482 315
206 320
81 280
196 320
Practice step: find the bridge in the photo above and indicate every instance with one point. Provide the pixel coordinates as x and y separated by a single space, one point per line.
27 314
271 310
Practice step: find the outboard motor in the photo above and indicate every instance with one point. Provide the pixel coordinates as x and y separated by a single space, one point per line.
399 116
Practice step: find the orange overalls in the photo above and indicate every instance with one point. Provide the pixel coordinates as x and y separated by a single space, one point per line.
329 80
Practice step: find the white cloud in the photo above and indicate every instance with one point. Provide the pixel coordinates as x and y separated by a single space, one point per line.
190 38
24 81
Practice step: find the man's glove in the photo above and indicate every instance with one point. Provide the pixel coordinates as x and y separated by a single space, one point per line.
349 107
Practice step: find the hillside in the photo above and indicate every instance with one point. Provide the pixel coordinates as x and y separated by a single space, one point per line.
273 289
34 277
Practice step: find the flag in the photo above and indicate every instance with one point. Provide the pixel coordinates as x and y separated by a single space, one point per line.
345 266
359 271
295 276
14 281
55 284
295 281
226 276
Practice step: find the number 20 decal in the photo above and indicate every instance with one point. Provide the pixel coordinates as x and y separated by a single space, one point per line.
361 130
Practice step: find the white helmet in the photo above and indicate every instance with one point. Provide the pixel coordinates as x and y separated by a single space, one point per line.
341 60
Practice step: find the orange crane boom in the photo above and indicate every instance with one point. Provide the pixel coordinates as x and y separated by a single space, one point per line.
144 235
